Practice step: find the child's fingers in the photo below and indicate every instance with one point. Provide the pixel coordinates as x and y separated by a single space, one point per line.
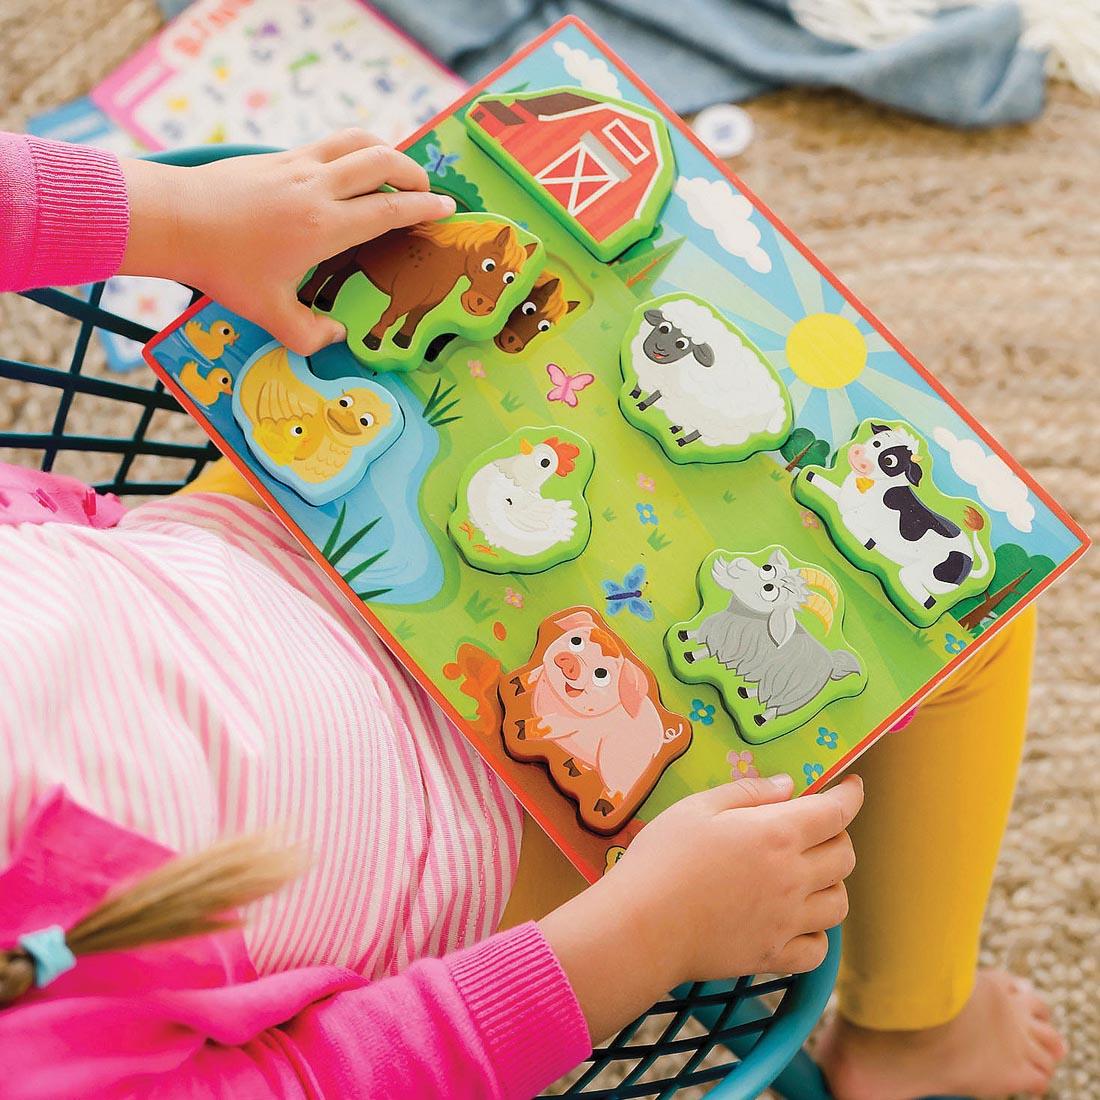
801 954
742 793
340 144
366 170
370 216
821 816
298 327
825 908
831 862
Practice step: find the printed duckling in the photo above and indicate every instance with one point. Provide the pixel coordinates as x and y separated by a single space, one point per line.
505 500
211 342
205 388
297 427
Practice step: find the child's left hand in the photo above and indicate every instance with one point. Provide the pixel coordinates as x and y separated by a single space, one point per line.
245 230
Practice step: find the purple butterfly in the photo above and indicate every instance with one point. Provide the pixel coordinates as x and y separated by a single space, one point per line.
566 386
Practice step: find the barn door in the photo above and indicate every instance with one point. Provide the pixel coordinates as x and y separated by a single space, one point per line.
581 174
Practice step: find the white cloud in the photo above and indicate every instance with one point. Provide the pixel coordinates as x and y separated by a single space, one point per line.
589 72
998 487
716 206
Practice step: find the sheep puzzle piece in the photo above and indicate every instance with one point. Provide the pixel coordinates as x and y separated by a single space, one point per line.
886 515
521 506
769 637
462 275
315 435
588 709
696 384
602 167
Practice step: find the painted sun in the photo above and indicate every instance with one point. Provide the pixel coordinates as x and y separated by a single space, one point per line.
826 350
837 368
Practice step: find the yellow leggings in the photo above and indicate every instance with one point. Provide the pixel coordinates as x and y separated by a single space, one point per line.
937 800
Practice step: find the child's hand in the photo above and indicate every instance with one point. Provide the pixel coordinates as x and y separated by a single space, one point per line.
246 230
735 880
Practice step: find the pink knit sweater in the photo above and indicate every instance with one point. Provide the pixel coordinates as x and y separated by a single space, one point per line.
193 1019
496 1020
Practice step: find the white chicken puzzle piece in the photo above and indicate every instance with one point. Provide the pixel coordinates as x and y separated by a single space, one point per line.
520 505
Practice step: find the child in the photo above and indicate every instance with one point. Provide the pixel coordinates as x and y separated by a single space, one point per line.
189 674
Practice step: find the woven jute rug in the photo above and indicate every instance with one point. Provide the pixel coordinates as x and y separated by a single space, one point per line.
982 252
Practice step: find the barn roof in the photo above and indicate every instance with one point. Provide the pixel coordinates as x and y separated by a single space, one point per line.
557 104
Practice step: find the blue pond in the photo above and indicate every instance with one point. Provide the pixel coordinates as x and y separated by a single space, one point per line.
389 491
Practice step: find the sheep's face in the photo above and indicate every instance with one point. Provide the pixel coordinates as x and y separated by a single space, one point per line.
666 343
761 588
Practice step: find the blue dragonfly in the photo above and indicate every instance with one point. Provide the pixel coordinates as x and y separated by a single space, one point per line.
438 161
629 595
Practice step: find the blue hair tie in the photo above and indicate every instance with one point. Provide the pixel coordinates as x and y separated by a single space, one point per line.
49 952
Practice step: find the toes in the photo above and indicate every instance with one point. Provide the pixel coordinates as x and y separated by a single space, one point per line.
1051 1041
1037 1081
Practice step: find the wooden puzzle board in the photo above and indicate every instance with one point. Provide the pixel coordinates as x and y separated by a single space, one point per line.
462 631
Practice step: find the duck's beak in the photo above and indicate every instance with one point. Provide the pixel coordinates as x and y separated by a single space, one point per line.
525 448
344 420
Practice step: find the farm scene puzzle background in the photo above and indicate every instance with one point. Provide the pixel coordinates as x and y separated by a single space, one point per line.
461 628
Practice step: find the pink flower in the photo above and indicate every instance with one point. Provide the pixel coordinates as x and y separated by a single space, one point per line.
741 765
513 598
809 519
645 482
477 368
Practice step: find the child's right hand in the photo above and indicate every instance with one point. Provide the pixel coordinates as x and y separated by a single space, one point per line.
245 230
736 880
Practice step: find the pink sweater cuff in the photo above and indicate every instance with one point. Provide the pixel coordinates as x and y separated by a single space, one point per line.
523 1007
64 213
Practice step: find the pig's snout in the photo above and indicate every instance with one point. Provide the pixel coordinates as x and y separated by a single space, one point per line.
570 665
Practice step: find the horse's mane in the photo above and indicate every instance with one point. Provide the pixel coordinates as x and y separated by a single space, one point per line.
555 307
469 236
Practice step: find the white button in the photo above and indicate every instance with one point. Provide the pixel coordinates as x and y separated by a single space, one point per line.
725 129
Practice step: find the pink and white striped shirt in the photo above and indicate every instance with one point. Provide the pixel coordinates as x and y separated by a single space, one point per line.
191 673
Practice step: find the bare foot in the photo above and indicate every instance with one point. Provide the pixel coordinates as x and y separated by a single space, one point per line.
1001 1043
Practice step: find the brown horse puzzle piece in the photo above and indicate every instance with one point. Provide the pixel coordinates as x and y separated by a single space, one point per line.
586 707
463 275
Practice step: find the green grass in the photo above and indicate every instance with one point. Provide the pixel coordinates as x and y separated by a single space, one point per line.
404 630
335 550
658 541
510 402
609 515
437 406
728 497
479 607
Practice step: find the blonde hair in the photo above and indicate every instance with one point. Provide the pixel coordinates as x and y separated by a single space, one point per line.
193 895
472 235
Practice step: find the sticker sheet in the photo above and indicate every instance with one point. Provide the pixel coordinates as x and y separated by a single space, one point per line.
275 72
657 502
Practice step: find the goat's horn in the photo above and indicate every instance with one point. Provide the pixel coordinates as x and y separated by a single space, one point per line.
817 605
817 578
